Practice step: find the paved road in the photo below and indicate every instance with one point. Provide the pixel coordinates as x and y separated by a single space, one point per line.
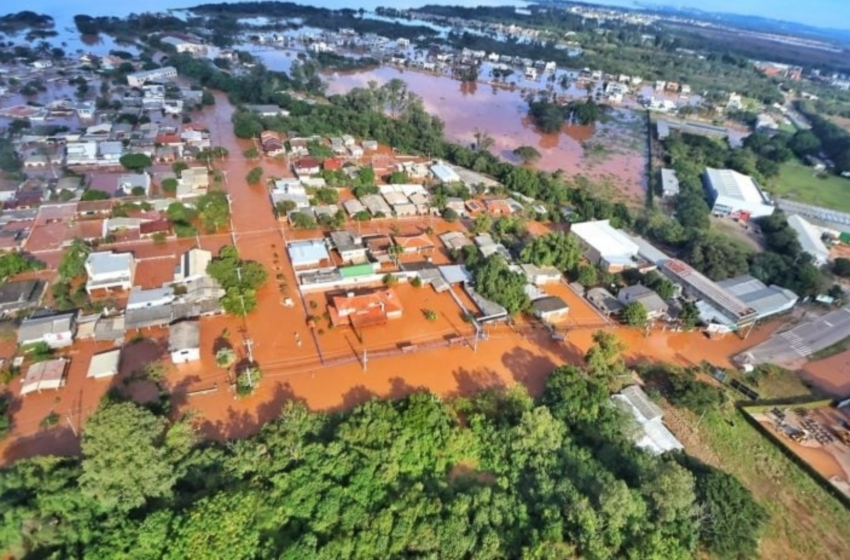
803 340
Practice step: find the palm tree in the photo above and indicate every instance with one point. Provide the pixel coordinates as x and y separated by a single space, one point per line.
225 357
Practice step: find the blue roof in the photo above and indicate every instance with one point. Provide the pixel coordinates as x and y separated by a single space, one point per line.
308 252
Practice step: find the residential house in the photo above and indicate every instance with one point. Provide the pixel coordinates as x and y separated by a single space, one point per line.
652 302
192 265
498 207
456 204
374 308
337 145
127 183
308 254
414 244
15 296
184 341
268 110
299 147
194 181
353 207
54 329
306 166
272 143
107 270
550 309
163 74
156 227
349 246
377 206
49 374
540 275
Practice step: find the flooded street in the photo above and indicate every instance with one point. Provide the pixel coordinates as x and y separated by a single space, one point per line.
611 153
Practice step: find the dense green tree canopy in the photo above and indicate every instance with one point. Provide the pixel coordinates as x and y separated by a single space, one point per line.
73 263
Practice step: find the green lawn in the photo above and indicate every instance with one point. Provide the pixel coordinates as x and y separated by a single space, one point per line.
798 182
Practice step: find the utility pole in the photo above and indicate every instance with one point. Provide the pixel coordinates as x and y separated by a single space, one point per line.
71 424
365 359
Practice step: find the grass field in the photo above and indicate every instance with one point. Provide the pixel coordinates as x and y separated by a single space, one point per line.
799 182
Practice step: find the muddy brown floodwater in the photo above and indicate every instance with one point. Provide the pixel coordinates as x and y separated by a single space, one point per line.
617 156
326 371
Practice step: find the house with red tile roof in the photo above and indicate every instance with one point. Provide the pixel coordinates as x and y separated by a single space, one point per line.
374 308
414 243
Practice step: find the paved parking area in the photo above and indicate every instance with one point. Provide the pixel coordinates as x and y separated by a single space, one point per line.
804 340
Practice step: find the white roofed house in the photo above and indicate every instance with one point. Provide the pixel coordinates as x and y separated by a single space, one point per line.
652 435
166 73
735 194
107 270
669 183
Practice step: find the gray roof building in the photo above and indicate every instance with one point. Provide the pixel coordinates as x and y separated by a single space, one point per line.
56 329
651 301
766 300
669 182
183 335
15 296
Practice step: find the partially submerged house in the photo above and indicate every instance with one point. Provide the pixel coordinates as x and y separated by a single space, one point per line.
184 342
54 329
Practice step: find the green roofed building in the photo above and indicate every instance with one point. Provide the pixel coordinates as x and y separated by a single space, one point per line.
357 270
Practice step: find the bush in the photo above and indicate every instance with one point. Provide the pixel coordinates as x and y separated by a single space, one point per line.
416 282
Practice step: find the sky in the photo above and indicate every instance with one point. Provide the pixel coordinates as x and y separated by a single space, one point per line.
819 13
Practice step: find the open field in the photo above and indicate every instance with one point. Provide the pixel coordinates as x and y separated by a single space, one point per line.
800 183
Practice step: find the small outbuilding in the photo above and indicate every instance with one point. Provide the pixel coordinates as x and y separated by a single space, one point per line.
550 309
184 342
105 364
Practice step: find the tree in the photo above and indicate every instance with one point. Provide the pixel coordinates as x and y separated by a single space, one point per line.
125 434
254 175
587 276
251 153
483 141
690 315
804 143
841 267
482 224
603 358
73 262
94 194
225 357
634 314
240 280
213 210
302 220
284 207
12 264
450 215
733 520
547 116
135 162
527 154
179 167
553 249
498 283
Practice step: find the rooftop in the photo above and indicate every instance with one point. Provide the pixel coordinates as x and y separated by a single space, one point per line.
709 288
107 262
104 364
727 182
49 374
183 335
308 252
755 293
364 310
606 239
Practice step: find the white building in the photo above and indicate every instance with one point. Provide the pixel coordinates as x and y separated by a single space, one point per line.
81 153
735 194
653 434
810 238
107 270
164 74
192 265
605 245
156 297
766 300
445 174
184 45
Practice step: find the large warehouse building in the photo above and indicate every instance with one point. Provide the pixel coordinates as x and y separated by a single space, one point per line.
736 195
719 305
605 245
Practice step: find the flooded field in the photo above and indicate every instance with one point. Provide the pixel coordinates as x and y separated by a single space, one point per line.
611 154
